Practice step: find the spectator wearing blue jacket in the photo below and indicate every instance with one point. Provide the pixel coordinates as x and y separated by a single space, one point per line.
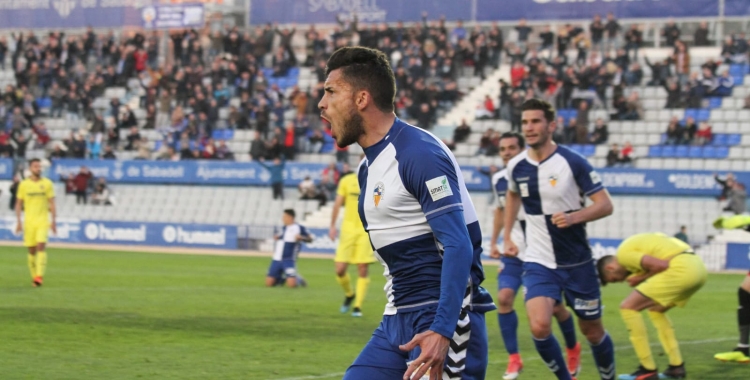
725 83
277 176
93 148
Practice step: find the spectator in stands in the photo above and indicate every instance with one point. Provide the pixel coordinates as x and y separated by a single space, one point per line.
627 155
696 90
331 171
737 196
144 151
727 49
613 30
671 33
316 141
674 132
57 97
101 194
462 132
257 148
133 138
548 41
93 147
223 152
78 147
3 51
109 154
81 184
596 30
704 135
613 156
746 103
674 95
689 131
307 189
659 72
681 59
523 33
326 189
13 190
6 150
601 133
633 41
277 176
290 142
634 107
56 153
682 235
700 37
724 85
634 75
726 185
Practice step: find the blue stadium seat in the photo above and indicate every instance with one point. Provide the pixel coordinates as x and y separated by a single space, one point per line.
691 112
668 151
703 114
655 151
44 102
734 139
217 134
589 150
293 81
737 69
714 102
158 144
272 81
283 83
228 134
294 71
709 152
722 152
663 138
695 152
738 79
720 139
681 151
267 71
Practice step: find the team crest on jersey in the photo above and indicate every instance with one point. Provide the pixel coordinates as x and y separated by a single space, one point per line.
553 180
378 193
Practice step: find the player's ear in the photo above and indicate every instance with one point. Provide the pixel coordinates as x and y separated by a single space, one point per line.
362 99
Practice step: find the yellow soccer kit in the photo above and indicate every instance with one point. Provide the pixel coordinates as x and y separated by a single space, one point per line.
674 286
354 243
35 196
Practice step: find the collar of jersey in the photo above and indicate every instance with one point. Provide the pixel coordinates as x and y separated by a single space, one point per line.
532 161
373 151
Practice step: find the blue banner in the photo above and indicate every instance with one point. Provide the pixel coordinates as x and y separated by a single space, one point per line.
134 233
6 168
738 256
173 16
326 11
736 8
489 10
57 14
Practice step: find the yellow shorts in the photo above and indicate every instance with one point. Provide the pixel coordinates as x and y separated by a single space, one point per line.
34 234
354 248
675 286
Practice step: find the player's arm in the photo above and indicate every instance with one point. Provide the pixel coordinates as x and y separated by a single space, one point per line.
601 207
19 209
512 205
304 236
497 226
53 214
332 232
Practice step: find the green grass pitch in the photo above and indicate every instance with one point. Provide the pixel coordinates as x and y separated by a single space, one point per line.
120 315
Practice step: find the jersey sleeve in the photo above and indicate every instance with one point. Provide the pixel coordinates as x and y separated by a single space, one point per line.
587 179
50 193
630 258
509 177
303 231
435 185
501 188
21 193
343 183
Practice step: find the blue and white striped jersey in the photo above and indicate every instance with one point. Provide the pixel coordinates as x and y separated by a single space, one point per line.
287 247
500 188
410 178
560 183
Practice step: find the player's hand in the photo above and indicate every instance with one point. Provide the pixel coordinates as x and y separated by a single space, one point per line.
332 232
495 252
562 220
510 248
18 228
434 349
53 227
633 281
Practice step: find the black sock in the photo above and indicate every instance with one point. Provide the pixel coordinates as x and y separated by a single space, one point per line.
743 318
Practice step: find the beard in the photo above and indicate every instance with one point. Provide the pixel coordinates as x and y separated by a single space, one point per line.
351 129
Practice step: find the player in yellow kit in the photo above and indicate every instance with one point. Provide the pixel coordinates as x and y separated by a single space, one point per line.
354 244
36 199
665 273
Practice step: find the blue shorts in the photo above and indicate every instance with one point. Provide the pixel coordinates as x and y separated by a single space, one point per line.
381 358
579 284
510 276
279 269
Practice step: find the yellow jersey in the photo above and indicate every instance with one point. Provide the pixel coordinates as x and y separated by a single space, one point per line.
35 196
663 247
349 189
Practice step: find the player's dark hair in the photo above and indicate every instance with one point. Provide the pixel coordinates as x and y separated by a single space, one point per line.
290 212
600 264
33 160
540 105
514 135
366 69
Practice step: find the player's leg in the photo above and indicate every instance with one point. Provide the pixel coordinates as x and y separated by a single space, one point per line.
275 273
668 340
381 359
572 348
476 352
41 255
741 353
583 295
290 270
630 310
29 241
543 289
363 257
342 259
508 283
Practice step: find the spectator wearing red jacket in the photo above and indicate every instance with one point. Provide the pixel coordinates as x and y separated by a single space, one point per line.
141 59
517 73
289 140
81 184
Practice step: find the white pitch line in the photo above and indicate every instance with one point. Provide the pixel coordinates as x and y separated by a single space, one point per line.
533 358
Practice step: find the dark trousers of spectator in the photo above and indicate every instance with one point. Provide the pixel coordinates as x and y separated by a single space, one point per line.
278 190
634 47
81 197
515 124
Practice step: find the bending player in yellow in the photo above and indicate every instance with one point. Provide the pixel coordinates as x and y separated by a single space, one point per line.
354 244
36 199
665 273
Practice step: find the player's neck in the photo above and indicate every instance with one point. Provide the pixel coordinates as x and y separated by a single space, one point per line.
376 127
543 152
35 178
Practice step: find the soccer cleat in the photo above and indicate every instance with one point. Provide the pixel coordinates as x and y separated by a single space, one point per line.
733 356
301 282
347 303
515 366
38 280
641 374
357 312
574 360
674 372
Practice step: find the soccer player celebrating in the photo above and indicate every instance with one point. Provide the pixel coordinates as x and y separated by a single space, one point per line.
550 182
509 277
283 268
740 353
36 200
422 225
354 245
665 273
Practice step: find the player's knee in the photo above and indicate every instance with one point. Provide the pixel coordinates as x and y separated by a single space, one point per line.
592 330
291 282
505 301
270 282
362 270
540 328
